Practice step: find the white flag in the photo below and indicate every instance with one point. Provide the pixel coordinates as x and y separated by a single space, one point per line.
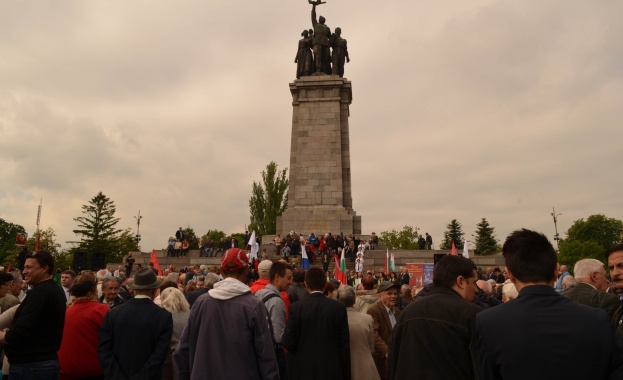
255 248
465 251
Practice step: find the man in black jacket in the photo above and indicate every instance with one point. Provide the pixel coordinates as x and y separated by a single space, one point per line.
35 336
439 325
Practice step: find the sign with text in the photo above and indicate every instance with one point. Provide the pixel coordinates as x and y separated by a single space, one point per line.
420 274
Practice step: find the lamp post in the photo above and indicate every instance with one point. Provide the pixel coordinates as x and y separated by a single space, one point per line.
137 237
556 236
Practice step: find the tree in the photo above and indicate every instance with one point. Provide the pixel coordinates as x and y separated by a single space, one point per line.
268 199
8 232
486 243
597 228
191 237
454 233
97 229
405 239
572 251
590 238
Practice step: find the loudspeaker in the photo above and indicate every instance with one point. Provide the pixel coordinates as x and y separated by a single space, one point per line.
98 261
439 256
80 261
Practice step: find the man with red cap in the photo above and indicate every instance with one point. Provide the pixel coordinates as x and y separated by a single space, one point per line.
221 326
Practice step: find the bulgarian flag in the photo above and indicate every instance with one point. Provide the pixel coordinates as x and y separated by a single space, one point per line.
453 252
304 258
392 264
154 259
340 270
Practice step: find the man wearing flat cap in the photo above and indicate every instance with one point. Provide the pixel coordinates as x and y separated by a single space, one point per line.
384 314
135 337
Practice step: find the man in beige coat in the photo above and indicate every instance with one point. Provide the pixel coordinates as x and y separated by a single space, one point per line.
384 314
361 330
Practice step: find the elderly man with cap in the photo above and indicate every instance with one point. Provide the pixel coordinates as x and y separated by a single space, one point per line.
227 335
384 314
134 338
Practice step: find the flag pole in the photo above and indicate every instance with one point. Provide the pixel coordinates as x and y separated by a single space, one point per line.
38 221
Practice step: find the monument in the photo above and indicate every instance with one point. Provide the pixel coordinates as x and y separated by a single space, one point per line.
319 194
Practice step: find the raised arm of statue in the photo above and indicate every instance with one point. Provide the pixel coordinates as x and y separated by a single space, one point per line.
313 15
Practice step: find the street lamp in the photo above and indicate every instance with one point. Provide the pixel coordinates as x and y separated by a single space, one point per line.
556 236
137 237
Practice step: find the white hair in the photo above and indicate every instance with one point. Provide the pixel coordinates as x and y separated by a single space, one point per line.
173 300
510 291
569 282
485 286
585 267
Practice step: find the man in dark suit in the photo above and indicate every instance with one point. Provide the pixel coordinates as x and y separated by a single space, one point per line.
384 314
135 337
317 335
592 285
439 323
541 334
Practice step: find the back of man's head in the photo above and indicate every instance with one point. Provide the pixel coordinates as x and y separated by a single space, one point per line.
584 268
368 282
278 268
449 268
315 279
298 276
530 257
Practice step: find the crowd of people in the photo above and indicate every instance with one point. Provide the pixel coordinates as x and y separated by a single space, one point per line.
265 319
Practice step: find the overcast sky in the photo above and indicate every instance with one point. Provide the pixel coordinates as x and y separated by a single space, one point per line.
461 109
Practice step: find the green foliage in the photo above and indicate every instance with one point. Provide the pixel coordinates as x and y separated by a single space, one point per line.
191 237
8 249
454 233
215 235
571 251
47 241
97 230
268 199
405 239
239 236
599 229
485 241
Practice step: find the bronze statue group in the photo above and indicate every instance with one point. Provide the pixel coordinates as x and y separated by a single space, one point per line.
321 52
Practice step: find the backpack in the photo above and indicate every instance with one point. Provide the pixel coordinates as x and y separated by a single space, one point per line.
270 322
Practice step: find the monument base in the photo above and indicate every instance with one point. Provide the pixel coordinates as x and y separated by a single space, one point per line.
319 220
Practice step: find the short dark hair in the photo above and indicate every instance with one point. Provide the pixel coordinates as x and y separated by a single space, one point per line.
70 272
530 256
83 288
278 268
616 248
5 278
298 275
449 268
44 258
315 279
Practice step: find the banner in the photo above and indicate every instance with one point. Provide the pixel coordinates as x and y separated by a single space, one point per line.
420 274
20 239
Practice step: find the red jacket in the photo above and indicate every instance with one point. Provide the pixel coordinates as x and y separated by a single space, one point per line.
78 353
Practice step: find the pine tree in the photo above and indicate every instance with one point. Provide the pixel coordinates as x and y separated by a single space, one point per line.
97 229
485 241
268 199
454 233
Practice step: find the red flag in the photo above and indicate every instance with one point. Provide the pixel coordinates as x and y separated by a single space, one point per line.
386 262
8 270
154 260
337 272
453 252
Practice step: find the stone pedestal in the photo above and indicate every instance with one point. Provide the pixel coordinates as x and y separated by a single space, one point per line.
319 194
